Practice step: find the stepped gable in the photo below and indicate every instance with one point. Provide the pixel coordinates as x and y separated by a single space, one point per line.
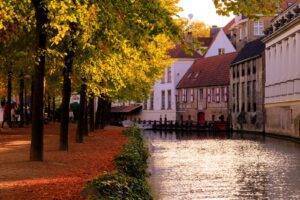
210 71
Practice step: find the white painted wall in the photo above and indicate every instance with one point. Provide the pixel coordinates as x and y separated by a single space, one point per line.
221 41
283 67
178 69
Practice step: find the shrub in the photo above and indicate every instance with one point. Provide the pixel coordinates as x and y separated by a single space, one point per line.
133 159
120 186
129 182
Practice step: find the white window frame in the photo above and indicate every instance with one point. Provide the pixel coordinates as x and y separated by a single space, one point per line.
258 28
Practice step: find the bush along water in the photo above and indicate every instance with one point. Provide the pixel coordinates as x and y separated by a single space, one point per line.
129 180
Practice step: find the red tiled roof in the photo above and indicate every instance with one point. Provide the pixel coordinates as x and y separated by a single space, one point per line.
178 52
226 28
211 71
126 109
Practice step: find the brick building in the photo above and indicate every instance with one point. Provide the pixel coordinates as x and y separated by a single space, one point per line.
202 94
247 88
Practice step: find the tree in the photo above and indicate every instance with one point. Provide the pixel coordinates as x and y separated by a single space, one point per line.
37 132
249 8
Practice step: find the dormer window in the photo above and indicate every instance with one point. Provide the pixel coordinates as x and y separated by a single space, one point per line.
221 51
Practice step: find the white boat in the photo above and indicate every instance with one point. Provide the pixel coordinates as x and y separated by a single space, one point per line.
144 126
127 123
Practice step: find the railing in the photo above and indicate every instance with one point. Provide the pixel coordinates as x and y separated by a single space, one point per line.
168 125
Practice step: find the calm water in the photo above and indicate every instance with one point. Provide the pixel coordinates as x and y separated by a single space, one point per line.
200 166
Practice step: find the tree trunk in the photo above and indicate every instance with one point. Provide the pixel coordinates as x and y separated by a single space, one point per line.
98 113
9 96
86 123
37 132
65 105
21 98
49 107
80 124
53 109
92 113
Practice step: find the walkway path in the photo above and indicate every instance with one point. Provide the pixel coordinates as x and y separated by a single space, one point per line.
63 174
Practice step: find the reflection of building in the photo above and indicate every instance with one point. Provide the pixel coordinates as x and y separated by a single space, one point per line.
282 88
203 91
161 103
247 87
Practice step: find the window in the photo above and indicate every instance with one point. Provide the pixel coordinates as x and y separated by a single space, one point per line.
233 90
258 28
248 88
254 68
201 97
208 95
192 95
254 91
248 69
238 72
152 100
225 94
163 102
169 75
249 107
218 95
213 95
184 94
221 51
243 70
169 99
145 105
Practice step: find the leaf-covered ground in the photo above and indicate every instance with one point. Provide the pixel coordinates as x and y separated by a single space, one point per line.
63 174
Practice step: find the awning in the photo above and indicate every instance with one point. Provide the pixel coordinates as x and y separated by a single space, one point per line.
126 109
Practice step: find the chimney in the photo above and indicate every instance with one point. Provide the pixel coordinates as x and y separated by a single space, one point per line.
214 31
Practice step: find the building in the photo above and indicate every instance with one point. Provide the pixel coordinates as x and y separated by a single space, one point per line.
282 87
202 94
219 45
247 88
245 30
162 102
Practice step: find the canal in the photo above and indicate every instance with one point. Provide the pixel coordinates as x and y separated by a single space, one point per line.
204 166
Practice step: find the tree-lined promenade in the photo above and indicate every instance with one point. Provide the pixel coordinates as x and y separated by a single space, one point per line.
102 50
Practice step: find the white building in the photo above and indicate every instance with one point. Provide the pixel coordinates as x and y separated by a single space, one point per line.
162 101
220 45
282 87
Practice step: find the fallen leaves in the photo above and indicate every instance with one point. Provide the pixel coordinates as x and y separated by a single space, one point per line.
63 174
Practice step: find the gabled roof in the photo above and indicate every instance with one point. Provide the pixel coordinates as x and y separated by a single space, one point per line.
178 52
228 26
205 72
214 40
250 50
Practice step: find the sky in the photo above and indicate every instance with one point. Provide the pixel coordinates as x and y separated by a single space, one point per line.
203 10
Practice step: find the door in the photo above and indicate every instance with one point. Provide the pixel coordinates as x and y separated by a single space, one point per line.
201 118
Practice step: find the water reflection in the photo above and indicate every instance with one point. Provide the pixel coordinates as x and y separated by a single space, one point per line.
204 166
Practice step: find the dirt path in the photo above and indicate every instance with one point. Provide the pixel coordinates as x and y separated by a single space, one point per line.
63 174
